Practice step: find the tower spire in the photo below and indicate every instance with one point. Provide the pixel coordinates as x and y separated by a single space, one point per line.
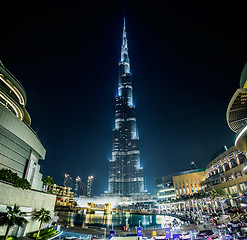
124 49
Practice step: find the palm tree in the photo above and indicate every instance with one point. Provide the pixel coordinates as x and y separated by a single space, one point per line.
12 217
47 181
42 216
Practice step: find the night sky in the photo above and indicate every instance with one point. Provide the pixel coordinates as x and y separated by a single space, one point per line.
186 61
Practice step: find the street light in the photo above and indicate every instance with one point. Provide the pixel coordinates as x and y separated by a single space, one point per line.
126 227
105 233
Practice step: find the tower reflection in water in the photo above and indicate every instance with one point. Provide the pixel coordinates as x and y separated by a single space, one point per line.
72 219
94 219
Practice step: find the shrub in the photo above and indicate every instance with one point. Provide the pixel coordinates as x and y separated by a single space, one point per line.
45 233
9 238
8 176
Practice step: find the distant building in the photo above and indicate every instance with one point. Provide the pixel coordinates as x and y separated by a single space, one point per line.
236 114
64 195
89 185
188 182
165 189
68 181
80 187
125 171
227 171
20 147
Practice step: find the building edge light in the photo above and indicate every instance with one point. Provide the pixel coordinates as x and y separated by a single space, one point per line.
240 134
18 112
14 89
166 196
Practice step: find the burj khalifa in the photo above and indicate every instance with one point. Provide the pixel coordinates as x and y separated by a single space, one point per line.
125 172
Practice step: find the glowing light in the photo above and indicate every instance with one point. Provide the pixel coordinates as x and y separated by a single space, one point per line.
14 89
18 112
240 134
166 190
78 178
166 196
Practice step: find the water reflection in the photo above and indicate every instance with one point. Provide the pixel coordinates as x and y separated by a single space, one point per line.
106 220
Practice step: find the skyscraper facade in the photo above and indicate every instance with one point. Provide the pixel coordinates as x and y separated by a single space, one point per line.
125 172
89 185
80 187
68 181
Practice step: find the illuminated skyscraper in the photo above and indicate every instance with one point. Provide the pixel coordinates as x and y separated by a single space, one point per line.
68 181
125 172
80 187
89 185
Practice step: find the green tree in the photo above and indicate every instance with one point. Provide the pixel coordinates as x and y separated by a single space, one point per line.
12 217
42 216
202 196
213 195
221 193
217 194
47 181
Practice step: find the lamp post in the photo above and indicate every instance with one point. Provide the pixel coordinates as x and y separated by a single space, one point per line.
105 233
126 225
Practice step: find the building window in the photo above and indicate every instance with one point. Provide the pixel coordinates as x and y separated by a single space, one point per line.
243 187
227 167
234 163
241 157
233 190
238 174
229 178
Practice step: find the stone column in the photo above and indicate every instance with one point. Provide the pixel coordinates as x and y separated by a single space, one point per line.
175 188
179 188
182 187
228 192
229 162
179 207
239 190
190 186
236 155
197 185
223 166
186 187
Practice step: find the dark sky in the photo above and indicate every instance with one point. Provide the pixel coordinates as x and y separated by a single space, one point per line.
186 60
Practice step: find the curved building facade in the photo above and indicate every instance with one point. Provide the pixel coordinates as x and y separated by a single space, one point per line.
227 171
236 114
20 147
